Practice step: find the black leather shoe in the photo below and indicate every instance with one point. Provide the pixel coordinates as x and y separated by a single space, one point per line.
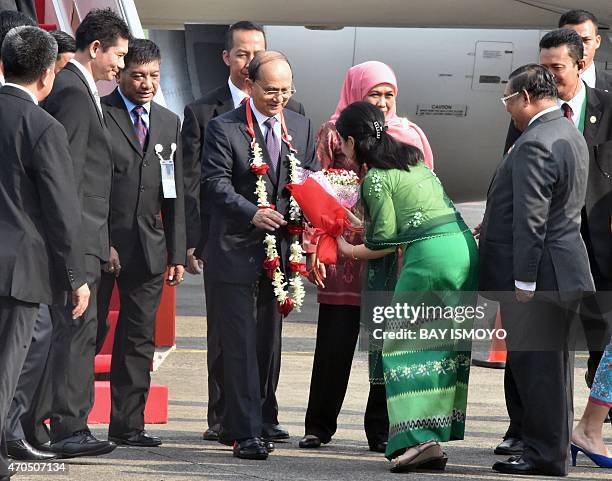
252 448
5 478
516 465
509 447
310 441
82 443
136 438
21 450
269 445
275 432
211 434
379 447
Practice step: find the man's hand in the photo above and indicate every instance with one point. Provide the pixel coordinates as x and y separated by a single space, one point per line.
476 231
523 296
80 300
175 275
268 219
317 270
194 265
113 266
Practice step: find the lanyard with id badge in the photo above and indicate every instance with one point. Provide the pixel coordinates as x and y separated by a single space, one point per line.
167 171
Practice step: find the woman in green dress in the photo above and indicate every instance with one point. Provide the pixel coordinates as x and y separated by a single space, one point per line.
407 210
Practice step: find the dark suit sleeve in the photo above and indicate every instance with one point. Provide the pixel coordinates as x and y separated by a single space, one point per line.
533 178
173 211
511 137
67 106
192 147
217 165
60 206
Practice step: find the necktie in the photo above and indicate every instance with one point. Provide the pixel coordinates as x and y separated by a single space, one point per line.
272 142
567 111
142 132
244 100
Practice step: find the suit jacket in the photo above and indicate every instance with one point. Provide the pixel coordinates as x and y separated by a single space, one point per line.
531 226
597 213
142 220
72 103
197 115
25 6
234 252
603 80
41 252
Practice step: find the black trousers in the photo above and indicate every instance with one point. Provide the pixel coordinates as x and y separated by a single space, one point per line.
214 360
250 342
31 374
17 321
539 381
66 391
337 333
133 348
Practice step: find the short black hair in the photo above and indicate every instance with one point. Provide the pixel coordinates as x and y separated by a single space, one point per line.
26 53
101 24
262 58
141 51
536 80
65 42
10 19
564 36
578 16
241 25
373 145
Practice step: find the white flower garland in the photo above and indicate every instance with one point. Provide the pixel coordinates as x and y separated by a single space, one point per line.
285 301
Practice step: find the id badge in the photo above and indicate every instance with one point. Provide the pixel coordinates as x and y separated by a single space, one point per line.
167 176
167 171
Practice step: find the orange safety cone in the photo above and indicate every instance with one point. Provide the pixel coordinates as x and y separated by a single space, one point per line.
497 353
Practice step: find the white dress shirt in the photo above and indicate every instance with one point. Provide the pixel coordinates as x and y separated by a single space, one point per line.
91 83
531 286
237 94
575 103
261 118
589 76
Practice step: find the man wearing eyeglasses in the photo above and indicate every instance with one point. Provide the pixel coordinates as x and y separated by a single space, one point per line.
242 41
590 111
234 253
532 252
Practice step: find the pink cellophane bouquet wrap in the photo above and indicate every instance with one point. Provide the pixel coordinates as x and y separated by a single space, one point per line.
322 197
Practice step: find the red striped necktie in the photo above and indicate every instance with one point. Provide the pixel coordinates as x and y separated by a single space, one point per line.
142 132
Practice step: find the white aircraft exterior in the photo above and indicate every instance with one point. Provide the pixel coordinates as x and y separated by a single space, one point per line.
452 58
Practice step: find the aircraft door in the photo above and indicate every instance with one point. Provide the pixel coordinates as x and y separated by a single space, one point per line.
492 65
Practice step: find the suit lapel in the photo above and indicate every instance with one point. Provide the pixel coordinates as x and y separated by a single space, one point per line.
122 117
284 161
77 72
154 129
592 116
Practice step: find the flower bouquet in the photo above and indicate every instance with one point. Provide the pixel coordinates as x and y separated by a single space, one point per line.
323 197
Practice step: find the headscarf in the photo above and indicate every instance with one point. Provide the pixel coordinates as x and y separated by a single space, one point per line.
359 80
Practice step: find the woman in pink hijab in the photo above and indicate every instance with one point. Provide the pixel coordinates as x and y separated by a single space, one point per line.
339 286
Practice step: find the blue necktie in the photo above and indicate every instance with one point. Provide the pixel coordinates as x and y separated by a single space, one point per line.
140 127
272 142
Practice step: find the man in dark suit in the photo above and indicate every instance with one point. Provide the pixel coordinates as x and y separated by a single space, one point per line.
41 253
585 24
147 232
531 250
234 252
591 112
17 447
67 388
242 41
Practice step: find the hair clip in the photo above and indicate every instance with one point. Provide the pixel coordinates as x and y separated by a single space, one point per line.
378 128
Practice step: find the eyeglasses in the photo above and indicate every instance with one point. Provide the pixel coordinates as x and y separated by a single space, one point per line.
504 100
276 92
